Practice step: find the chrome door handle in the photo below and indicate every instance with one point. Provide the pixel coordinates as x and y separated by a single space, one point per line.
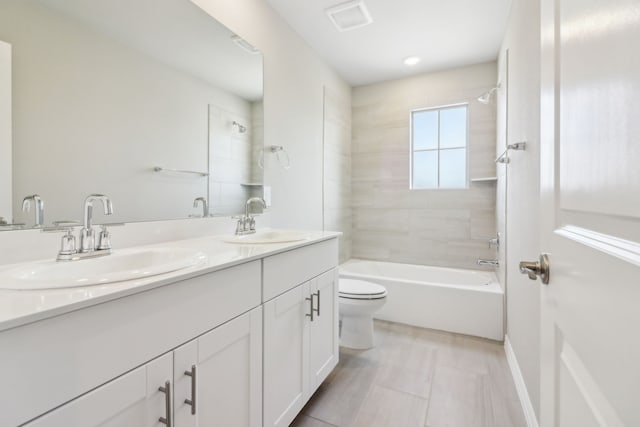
310 299
166 420
537 269
317 310
192 402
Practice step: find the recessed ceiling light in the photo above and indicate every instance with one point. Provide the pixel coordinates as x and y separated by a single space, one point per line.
411 61
349 16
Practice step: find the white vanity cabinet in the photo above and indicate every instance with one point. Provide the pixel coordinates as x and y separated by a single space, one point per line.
56 360
133 399
232 347
300 329
221 371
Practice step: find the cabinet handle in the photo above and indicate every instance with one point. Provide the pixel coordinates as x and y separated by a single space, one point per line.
317 310
192 401
310 299
167 403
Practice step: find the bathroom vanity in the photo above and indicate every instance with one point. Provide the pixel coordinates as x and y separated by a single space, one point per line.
241 339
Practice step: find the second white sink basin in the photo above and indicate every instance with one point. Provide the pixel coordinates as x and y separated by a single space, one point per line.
126 264
269 236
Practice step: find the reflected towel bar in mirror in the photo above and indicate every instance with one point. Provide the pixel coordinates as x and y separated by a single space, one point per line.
161 169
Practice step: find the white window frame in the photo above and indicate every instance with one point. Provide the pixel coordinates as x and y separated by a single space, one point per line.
438 149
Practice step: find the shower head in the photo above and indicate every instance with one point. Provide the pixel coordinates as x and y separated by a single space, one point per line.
486 97
241 129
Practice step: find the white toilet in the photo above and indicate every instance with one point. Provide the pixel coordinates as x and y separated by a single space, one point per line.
358 300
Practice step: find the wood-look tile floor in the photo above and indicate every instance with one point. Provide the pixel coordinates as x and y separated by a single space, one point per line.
417 377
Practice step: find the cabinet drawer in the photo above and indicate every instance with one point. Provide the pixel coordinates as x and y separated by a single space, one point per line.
81 350
284 271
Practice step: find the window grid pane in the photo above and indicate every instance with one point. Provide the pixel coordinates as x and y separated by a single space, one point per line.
443 165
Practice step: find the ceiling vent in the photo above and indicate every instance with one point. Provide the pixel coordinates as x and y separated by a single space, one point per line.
349 16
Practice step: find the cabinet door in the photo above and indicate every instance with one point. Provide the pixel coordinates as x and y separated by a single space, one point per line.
185 358
323 330
286 350
225 365
133 399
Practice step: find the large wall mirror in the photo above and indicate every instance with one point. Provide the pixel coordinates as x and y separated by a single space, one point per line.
151 102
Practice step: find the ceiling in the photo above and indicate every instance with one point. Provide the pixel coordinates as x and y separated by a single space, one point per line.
443 33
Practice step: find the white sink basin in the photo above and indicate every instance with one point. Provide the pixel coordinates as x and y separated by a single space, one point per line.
269 236
127 264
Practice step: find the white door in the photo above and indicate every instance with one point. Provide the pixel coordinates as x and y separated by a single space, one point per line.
286 355
590 190
134 399
323 330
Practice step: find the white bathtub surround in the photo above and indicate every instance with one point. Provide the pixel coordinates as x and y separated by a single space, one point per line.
463 301
432 227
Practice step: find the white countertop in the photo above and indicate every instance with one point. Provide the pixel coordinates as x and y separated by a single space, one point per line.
19 308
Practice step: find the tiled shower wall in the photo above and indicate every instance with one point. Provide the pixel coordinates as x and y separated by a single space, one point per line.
337 215
432 227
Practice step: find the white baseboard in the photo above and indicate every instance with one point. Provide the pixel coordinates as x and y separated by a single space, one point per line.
521 388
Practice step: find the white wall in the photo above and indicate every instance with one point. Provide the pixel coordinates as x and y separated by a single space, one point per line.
522 40
434 227
293 106
5 131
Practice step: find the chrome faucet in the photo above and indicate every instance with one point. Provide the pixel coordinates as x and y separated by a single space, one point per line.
87 238
247 223
39 208
89 247
493 262
205 206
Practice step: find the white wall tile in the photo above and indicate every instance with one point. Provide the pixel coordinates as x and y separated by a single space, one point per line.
437 227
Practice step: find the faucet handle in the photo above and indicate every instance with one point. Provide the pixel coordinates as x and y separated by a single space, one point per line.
68 243
241 226
104 239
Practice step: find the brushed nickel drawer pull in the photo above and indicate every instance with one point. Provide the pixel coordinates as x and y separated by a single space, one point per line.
166 420
317 310
310 299
192 401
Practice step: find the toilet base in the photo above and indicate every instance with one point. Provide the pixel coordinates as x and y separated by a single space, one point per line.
356 332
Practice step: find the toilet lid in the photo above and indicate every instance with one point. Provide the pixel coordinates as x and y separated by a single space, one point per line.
360 289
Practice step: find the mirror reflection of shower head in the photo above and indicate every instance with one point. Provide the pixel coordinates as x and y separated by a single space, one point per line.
241 129
486 97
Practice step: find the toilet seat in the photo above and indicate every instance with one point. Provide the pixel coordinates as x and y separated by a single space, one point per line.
360 290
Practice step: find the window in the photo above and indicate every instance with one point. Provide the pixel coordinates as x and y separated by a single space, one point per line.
439 147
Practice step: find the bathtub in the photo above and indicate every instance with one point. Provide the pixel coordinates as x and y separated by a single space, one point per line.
468 302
